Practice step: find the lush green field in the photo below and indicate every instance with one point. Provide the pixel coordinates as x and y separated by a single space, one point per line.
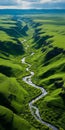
48 63
14 93
43 35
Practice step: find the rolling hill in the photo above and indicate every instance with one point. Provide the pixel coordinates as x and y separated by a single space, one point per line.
20 36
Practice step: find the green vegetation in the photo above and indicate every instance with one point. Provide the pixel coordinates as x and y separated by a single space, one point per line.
14 93
19 37
48 63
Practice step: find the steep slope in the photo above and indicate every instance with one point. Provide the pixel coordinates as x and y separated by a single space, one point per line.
14 95
41 40
48 63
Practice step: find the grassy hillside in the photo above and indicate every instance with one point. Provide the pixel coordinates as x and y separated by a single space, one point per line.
19 37
48 63
14 93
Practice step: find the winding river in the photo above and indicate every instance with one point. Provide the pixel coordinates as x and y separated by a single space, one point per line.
34 110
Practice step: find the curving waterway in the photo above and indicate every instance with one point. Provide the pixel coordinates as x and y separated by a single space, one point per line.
34 110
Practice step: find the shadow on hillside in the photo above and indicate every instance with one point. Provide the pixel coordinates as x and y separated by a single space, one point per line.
4 53
16 31
6 70
48 73
6 118
11 48
3 100
53 53
35 25
38 31
41 41
62 94
54 80
6 101
32 22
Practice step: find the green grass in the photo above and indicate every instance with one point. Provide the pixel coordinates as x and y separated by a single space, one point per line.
45 37
14 93
48 63
9 119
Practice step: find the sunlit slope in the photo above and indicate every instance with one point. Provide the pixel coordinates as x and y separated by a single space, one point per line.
13 94
9 120
48 62
44 36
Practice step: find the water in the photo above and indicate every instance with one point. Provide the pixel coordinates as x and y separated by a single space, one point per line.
34 110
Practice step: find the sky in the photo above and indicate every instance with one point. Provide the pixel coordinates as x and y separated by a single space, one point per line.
32 4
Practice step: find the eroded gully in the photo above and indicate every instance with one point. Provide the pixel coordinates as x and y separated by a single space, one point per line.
34 110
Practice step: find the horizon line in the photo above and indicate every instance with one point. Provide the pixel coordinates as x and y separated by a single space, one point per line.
32 9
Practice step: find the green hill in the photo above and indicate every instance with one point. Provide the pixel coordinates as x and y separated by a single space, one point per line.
19 37
48 63
14 96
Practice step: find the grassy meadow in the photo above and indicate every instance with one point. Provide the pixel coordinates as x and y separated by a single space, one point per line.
45 36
